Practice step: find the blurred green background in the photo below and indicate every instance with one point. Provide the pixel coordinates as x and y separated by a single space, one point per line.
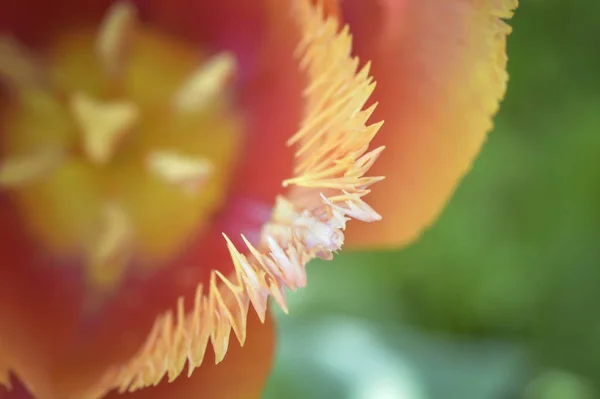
500 298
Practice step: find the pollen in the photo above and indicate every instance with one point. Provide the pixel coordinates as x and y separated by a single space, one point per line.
115 37
102 125
109 256
185 172
23 170
308 220
206 83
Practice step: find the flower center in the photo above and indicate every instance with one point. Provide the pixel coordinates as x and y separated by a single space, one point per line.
117 143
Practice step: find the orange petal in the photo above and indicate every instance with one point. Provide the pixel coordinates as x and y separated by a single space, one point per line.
47 340
306 223
330 7
241 375
272 99
441 72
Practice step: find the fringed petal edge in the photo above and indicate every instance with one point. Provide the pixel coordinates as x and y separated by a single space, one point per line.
307 223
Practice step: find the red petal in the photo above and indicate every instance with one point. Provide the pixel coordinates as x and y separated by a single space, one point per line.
440 72
52 344
241 375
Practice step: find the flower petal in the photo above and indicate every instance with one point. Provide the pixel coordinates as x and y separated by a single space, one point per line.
17 391
18 19
59 349
241 375
308 221
271 98
441 72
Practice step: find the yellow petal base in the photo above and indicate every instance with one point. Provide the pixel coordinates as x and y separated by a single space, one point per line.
117 144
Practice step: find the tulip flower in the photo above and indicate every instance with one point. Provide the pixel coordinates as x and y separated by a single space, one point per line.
168 167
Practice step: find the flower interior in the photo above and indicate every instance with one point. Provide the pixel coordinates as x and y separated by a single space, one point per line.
121 142
118 148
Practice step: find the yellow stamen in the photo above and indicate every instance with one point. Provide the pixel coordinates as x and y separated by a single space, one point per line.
19 171
115 36
107 102
109 256
102 125
16 65
186 172
109 130
206 83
